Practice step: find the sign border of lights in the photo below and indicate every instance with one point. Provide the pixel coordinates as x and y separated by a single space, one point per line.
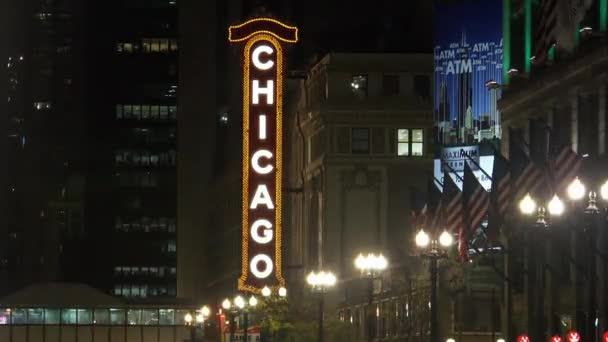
274 84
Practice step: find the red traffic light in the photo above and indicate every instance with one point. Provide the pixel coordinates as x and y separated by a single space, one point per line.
556 338
573 336
523 338
605 337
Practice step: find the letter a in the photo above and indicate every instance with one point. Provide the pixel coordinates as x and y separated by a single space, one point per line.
261 197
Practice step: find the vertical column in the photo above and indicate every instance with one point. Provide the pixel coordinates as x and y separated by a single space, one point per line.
601 120
574 122
603 15
527 35
506 40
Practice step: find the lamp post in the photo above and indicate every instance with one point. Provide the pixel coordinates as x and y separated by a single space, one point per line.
241 305
320 282
197 321
536 257
370 266
434 248
577 192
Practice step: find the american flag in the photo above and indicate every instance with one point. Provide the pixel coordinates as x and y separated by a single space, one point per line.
476 204
454 208
565 166
500 197
546 32
527 176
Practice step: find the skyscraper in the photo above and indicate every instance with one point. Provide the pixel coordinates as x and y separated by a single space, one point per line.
131 197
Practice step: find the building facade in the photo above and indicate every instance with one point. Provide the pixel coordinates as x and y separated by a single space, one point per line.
131 192
358 140
561 103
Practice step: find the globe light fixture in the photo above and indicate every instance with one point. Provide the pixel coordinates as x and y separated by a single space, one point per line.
422 239
266 292
239 302
446 239
200 319
556 206
205 311
321 280
226 304
188 318
527 205
282 292
253 301
604 191
500 340
450 340
576 189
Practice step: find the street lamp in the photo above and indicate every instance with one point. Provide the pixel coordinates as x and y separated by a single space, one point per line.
577 192
321 282
197 321
238 305
434 248
528 206
371 266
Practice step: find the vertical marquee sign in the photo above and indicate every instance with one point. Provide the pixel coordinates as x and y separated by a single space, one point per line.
262 158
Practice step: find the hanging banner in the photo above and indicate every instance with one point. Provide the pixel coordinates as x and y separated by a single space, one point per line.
262 150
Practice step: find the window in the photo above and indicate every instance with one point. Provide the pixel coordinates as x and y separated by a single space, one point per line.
35 316
102 316
167 316
422 86
149 317
68 316
358 85
390 85
117 316
51 316
403 142
360 140
85 317
134 316
410 142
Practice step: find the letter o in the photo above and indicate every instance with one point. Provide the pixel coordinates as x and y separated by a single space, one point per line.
255 57
255 162
253 266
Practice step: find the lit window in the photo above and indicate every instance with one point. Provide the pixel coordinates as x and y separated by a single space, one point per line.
410 142
42 105
403 142
360 140
417 142
358 85
224 118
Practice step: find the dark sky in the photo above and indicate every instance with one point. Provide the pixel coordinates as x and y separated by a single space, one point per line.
355 26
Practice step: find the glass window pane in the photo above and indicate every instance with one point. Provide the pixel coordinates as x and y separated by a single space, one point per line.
19 316
145 112
85 316
155 45
117 316
403 135
119 111
68 316
417 135
179 316
164 111
134 317
149 317
154 112
164 45
5 315
35 316
137 111
51 316
102 316
166 316
403 149
146 45
417 149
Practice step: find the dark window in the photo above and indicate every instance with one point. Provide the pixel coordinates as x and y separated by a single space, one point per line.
422 86
360 140
390 85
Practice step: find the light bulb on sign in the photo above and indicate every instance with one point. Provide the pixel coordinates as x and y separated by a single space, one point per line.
573 336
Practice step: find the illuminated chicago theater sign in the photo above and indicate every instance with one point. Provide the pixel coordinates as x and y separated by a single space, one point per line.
262 139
